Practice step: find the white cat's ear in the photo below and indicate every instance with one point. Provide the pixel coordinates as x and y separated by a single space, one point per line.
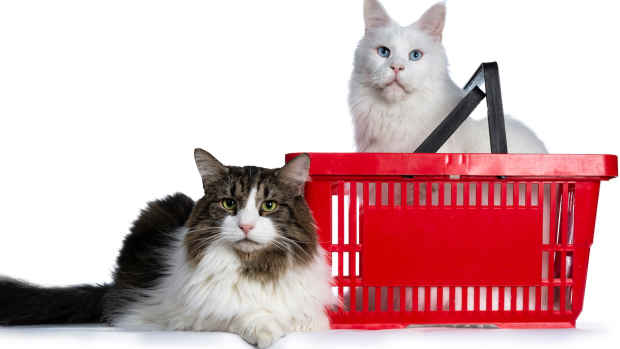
296 171
208 166
375 14
433 20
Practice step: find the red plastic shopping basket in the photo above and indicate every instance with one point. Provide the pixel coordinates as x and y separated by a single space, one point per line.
457 238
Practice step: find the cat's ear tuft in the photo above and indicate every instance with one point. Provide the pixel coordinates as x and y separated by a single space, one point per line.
208 166
433 20
375 15
296 171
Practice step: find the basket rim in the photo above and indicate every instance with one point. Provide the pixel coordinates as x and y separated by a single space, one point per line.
601 166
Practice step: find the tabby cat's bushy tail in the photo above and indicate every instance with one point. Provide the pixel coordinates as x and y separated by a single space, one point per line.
25 304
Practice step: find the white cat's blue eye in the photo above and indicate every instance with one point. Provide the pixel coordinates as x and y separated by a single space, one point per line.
415 55
384 51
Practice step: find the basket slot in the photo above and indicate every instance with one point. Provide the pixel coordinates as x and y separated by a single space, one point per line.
517 299
334 219
435 194
510 194
421 194
484 193
449 194
458 298
545 296
530 298
502 187
522 194
436 298
345 264
469 298
546 214
346 302
555 201
399 294
563 216
534 194
458 190
571 213
496 195
447 298
334 263
507 296
410 194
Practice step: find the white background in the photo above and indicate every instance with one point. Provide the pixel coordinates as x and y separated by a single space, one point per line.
102 103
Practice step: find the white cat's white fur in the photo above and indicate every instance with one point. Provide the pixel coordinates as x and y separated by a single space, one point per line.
394 110
215 296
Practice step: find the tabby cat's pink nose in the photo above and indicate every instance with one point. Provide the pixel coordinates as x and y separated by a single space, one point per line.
246 228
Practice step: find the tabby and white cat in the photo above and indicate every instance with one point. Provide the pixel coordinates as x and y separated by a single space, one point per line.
400 89
243 259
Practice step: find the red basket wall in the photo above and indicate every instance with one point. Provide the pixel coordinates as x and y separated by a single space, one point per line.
473 238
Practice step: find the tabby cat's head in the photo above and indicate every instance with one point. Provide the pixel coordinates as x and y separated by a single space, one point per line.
259 213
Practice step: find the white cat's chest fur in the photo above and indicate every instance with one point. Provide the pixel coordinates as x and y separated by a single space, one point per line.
214 296
401 127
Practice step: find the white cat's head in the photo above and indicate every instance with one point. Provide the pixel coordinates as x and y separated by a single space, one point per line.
397 61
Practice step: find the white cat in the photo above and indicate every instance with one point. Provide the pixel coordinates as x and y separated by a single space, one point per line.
401 89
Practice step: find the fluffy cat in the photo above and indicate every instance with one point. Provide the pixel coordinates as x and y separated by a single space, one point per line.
400 89
243 259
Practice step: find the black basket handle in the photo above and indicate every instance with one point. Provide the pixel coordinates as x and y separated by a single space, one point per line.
487 74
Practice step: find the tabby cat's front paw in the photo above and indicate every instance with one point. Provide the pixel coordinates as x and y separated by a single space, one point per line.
267 334
264 334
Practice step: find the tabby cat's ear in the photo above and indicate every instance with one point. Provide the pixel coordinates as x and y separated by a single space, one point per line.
375 15
296 172
433 20
208 166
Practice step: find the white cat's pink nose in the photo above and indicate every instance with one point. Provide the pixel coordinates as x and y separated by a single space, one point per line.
397 68
246 228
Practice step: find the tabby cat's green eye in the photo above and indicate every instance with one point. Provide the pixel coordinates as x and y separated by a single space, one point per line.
269 206
229 204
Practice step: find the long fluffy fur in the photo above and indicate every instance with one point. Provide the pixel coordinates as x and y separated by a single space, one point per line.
389 118
25 304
